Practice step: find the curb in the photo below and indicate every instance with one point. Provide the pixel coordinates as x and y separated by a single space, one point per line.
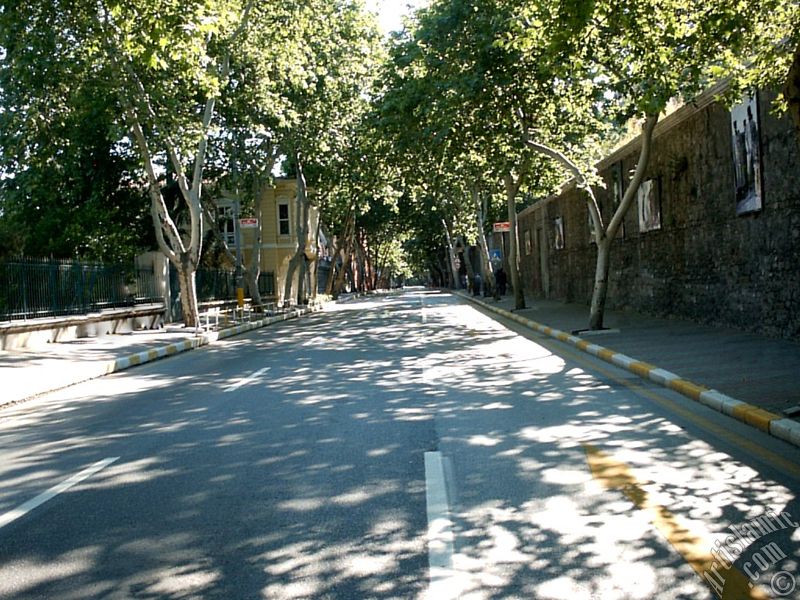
764 420
146 356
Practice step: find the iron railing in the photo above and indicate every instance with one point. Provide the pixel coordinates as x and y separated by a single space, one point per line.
215 284
34 287
266 284
220 284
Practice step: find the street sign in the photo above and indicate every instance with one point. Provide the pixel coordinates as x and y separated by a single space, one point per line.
502 226
248 223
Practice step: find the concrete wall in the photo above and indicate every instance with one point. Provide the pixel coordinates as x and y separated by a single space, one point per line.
705 262
37 333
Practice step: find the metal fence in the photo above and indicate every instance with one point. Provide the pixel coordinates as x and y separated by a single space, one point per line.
33 287
220 284
266 284
215 284
323 271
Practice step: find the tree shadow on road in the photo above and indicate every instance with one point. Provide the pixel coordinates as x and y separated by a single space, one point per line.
307 481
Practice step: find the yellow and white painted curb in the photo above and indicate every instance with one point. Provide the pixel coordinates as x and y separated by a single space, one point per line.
102 368
205 339
768 422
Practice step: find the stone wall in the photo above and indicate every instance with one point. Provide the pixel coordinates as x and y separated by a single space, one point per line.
705 262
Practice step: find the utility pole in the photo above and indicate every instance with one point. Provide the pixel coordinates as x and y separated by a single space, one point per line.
237 233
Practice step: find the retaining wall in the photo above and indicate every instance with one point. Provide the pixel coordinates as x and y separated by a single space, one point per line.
705 262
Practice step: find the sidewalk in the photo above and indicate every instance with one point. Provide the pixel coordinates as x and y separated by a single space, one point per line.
31 372
747 367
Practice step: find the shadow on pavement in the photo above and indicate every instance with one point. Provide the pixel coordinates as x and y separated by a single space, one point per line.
309 481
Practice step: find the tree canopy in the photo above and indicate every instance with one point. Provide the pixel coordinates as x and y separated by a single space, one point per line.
112 111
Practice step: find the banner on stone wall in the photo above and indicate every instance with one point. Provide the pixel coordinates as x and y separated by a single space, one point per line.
746 143
649 206
558 226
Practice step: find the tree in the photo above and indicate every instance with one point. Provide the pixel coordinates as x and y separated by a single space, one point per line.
150 114
640 54
464 90
760 41
165 64
311 94
67 190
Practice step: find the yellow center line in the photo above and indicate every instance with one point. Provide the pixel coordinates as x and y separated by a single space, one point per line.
694 547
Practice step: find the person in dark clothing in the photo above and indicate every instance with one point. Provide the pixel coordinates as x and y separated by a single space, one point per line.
502 281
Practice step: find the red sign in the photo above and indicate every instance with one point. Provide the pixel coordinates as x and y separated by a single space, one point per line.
248 223
500 227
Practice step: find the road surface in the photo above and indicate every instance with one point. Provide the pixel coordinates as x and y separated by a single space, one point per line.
401 446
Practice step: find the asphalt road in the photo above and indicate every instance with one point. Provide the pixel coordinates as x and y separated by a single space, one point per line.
404 446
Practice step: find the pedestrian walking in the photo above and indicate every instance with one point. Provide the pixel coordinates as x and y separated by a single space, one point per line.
502 281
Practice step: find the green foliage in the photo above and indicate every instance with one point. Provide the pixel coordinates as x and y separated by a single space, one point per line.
69 184
395 136
758 40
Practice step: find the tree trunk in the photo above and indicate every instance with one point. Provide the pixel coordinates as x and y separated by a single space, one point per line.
451 253
338 284
378 265
353 268
301 228
366 257
334 269
253 270
188 289
512 187
483 246
314 276
600 291
445 274
291 272
375 265
298 278
468 265
302 260
338 255
340 278
360 266
302 268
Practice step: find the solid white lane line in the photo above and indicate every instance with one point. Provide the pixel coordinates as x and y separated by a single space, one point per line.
444 583
246 380
54 491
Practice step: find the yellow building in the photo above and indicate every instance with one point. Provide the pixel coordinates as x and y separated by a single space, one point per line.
278 225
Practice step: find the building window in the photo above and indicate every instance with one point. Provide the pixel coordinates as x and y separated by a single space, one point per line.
226 225
283 219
